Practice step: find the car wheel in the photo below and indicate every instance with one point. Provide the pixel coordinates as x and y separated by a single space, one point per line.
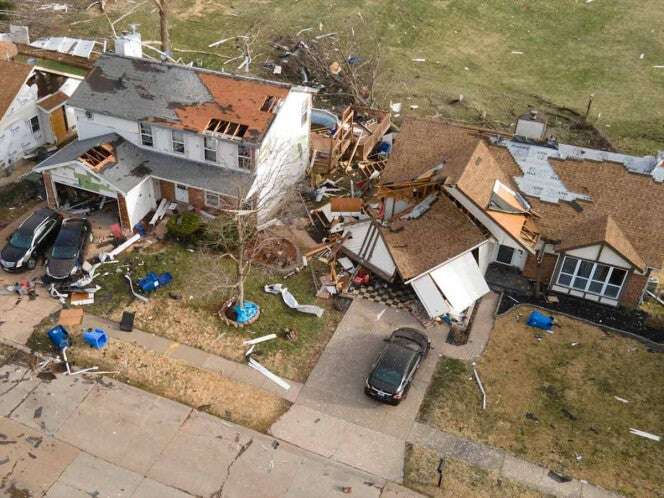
31 264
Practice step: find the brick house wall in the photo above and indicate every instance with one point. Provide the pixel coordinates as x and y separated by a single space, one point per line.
633 289
547 268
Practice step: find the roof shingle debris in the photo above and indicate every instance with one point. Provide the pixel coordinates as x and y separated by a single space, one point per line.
177 96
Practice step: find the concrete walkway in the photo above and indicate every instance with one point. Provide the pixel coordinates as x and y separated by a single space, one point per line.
77 437
506 465
194 357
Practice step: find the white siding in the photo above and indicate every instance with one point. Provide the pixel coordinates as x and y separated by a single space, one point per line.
430 297
611 257
501 236
75 175
366 244
284 153
140 200
589 252
486 255
16 137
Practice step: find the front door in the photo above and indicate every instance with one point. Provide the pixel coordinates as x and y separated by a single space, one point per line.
59 124
182 194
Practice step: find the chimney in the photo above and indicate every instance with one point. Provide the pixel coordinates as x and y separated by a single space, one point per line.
129 44
531 126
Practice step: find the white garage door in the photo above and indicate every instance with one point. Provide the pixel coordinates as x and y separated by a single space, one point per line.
461 282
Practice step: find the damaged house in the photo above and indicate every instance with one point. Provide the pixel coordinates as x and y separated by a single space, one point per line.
455 199
149 130
35 85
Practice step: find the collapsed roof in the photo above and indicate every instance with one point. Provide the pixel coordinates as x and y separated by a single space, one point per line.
178 96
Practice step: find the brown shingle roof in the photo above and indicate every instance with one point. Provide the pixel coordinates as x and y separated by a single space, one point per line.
441 233
423 144
53 101
597 230
12 77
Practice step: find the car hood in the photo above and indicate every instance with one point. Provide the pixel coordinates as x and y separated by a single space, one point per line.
60 268
11 254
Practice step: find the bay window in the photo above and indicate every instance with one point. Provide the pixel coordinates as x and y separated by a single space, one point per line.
592 277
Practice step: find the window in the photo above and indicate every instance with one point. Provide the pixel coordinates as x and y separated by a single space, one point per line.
177 137
212 199
588 276
244 156
146 135
34 125
505 254
88 115
210 149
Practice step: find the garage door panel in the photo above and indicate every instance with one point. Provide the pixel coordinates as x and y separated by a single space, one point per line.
80 178
430 297
461 282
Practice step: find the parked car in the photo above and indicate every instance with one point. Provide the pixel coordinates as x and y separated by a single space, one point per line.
30 240
68 252
395 367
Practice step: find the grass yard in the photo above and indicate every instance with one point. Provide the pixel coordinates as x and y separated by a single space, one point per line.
551 401
200 389
502 56
460 480
193 319
16 200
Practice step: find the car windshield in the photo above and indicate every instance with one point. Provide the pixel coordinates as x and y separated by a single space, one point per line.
393 366
387 375
21 240
66 245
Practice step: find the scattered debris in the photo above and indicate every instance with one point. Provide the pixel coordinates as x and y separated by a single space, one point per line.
291 302
274 378
622 400
258 340
556 476
644 434
479 383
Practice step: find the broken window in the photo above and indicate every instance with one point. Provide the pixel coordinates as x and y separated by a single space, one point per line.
233 130
177 138
210 147
88 115
270 104
212 199
244 156
146 135
34 125
588 276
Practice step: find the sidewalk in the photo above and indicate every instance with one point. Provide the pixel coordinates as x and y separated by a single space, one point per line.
506 465
195 357
75 437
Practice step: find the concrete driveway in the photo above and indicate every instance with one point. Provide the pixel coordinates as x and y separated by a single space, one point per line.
333 417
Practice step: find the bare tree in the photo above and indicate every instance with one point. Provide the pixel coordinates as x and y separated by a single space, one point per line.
164 27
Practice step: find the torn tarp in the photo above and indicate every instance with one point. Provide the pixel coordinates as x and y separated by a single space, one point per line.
291 302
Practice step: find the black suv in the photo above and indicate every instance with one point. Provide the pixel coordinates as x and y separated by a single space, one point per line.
68 253
393 371
30 240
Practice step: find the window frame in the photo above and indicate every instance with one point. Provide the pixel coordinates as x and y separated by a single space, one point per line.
145 130
209 192
178 142
207 149
244 161
590 278
500 246
31 124
89 116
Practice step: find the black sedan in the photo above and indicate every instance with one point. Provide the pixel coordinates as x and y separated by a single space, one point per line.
68 252
30 240
393 371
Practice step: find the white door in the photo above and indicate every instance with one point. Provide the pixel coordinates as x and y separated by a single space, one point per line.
181 194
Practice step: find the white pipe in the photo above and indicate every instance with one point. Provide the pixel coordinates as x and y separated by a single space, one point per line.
268 337
479 383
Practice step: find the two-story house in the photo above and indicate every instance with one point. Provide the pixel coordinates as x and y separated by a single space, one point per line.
149 130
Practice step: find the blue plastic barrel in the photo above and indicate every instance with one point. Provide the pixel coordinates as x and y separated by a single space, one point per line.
149 283
59 337
165 278
96 338
540 320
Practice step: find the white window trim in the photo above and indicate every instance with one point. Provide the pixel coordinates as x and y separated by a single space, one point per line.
206 149
145 130
173 142
32 130
208 192
241 157
586 289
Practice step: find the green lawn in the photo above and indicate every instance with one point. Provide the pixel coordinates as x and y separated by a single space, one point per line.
193 318
570 49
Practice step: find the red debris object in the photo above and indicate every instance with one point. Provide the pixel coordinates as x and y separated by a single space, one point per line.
361 278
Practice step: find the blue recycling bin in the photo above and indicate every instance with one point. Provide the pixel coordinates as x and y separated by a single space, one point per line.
149 282
165 278
59 337
244 314
95 338
540 320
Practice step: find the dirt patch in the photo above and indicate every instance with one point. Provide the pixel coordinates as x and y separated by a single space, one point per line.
277 254
459 479
206 391
552 400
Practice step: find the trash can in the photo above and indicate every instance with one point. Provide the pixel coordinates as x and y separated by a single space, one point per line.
540 320
96 338
59 337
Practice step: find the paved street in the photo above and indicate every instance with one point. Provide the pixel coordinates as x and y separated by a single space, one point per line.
75 437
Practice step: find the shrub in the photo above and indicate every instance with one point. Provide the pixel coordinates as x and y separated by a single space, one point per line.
185 227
